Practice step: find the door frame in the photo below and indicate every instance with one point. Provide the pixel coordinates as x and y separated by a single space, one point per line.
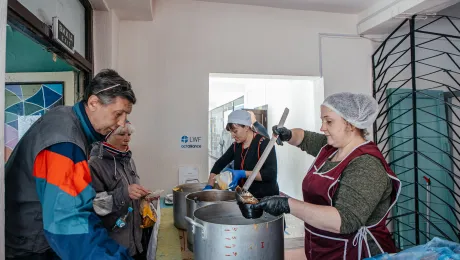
20 18
3 13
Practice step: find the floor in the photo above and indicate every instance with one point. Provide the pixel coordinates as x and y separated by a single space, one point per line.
294 254
294 239
294 228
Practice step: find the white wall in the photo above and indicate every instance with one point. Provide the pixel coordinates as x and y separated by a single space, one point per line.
105 33
223 89
169 60
115 24
255 94
299 97
342 57
102 38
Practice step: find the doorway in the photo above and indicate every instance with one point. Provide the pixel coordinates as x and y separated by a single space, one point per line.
36 81
267 96
435 200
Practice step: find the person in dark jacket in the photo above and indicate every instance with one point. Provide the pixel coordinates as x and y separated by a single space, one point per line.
245 153
48 191
227 140
117 188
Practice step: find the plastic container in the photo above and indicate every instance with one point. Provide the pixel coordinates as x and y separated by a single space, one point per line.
121 221
224 179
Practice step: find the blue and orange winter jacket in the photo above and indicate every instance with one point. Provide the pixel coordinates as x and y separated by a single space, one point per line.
63 183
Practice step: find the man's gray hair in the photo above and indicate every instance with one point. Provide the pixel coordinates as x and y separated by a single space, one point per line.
107 85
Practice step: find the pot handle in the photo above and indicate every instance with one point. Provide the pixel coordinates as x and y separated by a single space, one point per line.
195 224
192 181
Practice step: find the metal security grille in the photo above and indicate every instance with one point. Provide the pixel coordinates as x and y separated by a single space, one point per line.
417 85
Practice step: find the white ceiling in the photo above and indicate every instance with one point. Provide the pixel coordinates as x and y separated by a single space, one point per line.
334 6
138 10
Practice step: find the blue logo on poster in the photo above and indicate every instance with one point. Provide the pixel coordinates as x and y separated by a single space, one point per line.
191 142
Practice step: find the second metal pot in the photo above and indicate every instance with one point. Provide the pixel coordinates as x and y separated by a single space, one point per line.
179 204
200 199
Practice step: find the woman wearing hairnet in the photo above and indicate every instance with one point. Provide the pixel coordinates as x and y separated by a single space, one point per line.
245 153
349 190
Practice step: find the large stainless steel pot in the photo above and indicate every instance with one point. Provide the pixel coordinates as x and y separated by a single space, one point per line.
220 231
200 199
179 204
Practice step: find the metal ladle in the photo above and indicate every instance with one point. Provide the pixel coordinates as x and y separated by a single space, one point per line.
243 197
245 200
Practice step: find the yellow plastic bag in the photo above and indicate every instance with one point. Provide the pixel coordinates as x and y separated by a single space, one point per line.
149 217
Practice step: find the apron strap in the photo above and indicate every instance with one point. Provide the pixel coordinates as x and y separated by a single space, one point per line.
361 236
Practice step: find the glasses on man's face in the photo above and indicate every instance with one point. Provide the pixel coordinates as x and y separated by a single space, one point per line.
124 88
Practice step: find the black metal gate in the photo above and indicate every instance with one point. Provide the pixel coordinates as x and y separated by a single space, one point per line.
417 85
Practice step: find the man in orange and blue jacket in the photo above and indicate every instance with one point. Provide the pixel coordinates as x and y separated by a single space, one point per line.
48 196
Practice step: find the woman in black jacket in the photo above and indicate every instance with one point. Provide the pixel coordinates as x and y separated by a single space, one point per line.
245 153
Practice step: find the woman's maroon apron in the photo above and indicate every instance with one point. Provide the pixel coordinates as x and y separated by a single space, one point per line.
319 189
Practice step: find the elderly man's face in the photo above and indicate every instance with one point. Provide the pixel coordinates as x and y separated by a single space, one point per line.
107 118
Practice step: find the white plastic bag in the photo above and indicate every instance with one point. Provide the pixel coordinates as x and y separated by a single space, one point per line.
224 179
153 243
154 195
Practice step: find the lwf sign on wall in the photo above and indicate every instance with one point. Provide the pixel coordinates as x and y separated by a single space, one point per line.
191 142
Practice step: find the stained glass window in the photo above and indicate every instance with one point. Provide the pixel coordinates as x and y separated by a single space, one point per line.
24 104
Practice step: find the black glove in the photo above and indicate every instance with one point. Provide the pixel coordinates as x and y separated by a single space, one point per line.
274 205
283 133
